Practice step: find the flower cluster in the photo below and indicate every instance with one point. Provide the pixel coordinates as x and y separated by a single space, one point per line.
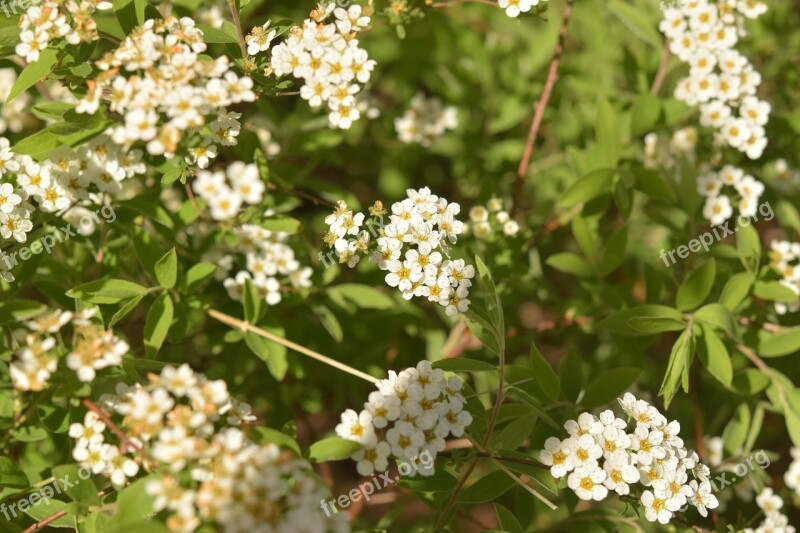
425 121
515 7
246 187
785 259
601 456
89 349
484 220
165 89
785 178
774 520
718 207
408 247
184 425
721 81
792 475
328 60
12 114
270 264
56 184
259 39
45 21
411 413
659 152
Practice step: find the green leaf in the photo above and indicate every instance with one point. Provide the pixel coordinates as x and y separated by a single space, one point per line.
786 342
34 73
11 475
774 291
609 385
636 21
45 510
270 352
750 381
261 163
736 290
487 488
273 436
166 269
718 316
585 237
644 114
281 223
196 275
644 320
215 36
546 378
363 296
571 264
332 449
696 287
507 520
156 327
134 506
329 321
440 481
614 251
20 310
793 426
83 491
679 361
106 291
715 356
514 433
39 142
653 184
462 364
607 134
748 246
130 13
735 432
589 187
253 303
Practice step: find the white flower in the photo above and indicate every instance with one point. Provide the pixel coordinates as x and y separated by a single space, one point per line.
259 39
655 507
556 455
702 498
587 482
515 7
372 458
357 427
717 209
620 472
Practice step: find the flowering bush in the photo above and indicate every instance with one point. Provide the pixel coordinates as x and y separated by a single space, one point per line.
401 265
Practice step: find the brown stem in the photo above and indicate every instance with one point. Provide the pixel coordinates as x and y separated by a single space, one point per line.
540 107
115 428
238 24
244 326
662 70
53 517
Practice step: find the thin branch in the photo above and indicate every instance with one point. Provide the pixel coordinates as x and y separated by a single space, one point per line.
244 326
53 517
552 75
127 442
238 24
524 485
662 70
